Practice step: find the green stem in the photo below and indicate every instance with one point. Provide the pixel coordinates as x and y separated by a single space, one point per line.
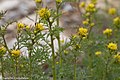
90 28
107 4
58 38
75 76
5 43
107 67
2 68
53 54
16 68
30 66
18 41
30 57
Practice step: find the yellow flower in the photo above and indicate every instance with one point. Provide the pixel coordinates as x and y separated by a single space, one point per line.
98 53
58 1
27 27
15 53
2 50
117 56
39 27
83 32
44 13
85 22
82 4
107 32
112 46
20 26
38 1
112 11
91 5
91 8
116 21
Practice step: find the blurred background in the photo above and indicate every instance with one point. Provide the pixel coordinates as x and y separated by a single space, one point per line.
24 11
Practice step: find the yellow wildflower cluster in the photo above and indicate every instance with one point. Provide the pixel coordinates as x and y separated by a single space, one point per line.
58 1
112 11
112 46
83 32
91 8
44 13
15 53
38 1
116 21
98 53
20 26
117 56
2 50
39 27
107 32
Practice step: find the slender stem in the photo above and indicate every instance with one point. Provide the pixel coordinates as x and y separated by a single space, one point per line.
16 68
75 76
18 41
5 43
90 28
30 66
30 57
2 68
107 4
89 32
53 53
58 38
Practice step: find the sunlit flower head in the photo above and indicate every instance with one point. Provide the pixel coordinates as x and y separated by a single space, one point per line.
117 56
112 46
116 21
15 53
112 11
39 27
98 53
20 26
82 4
44 13
83 32
107 32
91 8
